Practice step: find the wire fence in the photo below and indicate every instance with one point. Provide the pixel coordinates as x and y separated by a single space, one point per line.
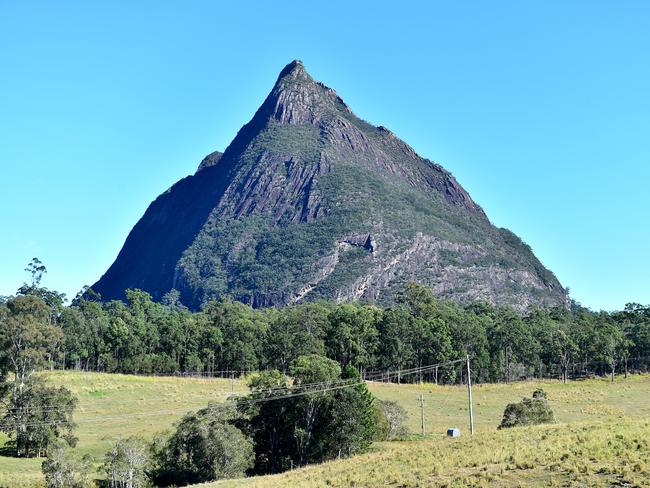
230 399
440 373
255 397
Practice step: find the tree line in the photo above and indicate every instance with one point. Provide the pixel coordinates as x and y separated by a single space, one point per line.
141 336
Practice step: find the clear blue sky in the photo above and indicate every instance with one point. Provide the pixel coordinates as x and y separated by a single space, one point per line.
540 109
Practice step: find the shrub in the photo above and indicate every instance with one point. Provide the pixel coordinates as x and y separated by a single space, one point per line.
125 464
529 411
395 416
62 470
206 446
382 427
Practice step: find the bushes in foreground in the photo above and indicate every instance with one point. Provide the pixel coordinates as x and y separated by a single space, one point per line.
390 421
62 470
317 413
126 462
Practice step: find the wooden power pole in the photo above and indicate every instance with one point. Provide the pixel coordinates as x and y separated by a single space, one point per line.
422 414
469 391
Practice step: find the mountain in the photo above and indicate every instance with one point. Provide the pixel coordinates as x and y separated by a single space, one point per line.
309 201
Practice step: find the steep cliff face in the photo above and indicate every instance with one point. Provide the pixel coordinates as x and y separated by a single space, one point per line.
309 201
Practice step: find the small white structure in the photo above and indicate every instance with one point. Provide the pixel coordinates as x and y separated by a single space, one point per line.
453 432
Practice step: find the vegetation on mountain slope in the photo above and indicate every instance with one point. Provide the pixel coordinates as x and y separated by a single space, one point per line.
311 202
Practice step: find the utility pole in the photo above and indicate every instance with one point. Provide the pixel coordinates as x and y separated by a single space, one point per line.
469 391
422 414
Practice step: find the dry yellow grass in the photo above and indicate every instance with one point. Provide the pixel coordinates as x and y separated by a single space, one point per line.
446 406
601 439
586 453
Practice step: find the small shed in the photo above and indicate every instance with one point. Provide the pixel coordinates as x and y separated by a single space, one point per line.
453 432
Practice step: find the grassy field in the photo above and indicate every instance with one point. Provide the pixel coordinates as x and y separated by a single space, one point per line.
601 437
446 406
113 406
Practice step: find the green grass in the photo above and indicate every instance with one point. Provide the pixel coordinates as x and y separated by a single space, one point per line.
113 406
600 438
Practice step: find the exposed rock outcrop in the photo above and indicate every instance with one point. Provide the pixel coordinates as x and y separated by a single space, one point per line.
309 201
210 160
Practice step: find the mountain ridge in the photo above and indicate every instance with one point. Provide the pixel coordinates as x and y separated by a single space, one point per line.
285 214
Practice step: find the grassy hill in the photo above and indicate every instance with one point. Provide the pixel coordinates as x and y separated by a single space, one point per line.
602 434
114 406
602 438
612 452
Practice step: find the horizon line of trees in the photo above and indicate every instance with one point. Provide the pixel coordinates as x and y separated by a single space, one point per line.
141 336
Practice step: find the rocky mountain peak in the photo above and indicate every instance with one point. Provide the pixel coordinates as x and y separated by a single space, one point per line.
292 72
298 99
310 201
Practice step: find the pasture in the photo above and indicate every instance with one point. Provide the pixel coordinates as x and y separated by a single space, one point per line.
600 438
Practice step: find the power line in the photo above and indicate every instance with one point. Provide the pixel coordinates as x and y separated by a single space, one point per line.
224 393
232 404
331 386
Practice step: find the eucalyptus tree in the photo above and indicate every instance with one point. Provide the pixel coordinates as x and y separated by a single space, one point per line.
35 412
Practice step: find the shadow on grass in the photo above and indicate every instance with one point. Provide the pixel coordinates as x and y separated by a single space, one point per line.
8 451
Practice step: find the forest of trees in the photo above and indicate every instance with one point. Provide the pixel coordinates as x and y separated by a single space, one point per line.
227 337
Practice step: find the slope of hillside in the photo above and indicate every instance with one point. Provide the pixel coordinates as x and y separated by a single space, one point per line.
589 453
309 201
